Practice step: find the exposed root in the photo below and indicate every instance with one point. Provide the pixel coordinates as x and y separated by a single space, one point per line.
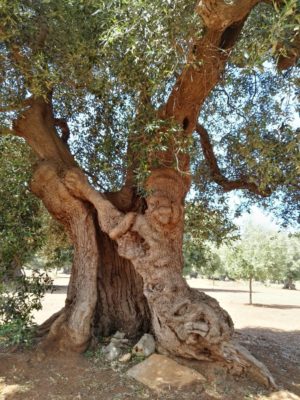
45 327
239 361
60 337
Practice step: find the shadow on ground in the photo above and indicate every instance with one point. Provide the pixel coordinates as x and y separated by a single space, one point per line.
278 350
223 290
278 306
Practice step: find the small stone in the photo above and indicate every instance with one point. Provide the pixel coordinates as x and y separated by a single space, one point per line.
119 335
125 358
111 352
145 346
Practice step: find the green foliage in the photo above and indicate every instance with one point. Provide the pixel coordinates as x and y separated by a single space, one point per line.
24 227
203 223
263 254
17 302
204 230
111 65
257 110
202 259
269 32
107 62
20 222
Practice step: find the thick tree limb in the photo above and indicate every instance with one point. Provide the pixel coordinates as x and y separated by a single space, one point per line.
37 125
216 173
207 58
223 22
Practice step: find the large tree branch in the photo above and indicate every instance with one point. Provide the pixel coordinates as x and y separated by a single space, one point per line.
37 124
223 22
207 58
216 173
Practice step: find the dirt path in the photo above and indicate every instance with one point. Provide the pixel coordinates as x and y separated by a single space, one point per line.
270 329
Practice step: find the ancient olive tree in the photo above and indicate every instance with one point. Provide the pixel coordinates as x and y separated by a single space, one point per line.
108 96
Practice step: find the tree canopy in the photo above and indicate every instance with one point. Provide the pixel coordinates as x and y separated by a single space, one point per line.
111 65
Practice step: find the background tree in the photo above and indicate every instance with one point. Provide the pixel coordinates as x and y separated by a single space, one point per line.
20 225
262 254
129 80
242 262
283 262
204 230
21 236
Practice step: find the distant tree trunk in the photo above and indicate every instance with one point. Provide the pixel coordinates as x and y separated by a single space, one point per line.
288 284
250 289
14 271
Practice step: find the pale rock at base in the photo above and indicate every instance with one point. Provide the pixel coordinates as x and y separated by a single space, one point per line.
145 346
119 335
111 352
281 395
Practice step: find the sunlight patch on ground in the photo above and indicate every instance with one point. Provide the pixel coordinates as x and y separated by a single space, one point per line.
281 395
8 391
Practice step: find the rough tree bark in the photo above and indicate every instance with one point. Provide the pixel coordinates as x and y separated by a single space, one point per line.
121 303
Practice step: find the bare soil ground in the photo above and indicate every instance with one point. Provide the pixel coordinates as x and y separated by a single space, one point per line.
270 329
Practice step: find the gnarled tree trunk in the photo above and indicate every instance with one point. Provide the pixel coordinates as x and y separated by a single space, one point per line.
185 322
